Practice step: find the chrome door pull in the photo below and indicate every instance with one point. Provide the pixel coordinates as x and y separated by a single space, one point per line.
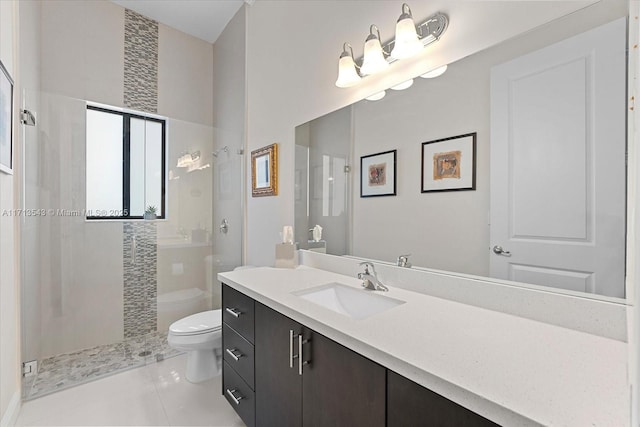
233 311
301 361
499 251
232 352
236 399
291 355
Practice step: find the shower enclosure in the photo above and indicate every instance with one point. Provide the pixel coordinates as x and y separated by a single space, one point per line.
100 284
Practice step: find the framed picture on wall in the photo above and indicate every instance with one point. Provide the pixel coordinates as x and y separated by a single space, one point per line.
449 164
264 171
378 174
6 121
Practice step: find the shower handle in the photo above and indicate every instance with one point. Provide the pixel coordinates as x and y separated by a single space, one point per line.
224 226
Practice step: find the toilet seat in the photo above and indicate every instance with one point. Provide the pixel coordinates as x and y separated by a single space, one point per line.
196 324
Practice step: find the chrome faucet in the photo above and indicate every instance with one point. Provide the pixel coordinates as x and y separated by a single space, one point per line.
403 261
369 281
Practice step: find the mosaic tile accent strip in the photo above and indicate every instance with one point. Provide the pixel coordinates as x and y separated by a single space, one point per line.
68 370
140 278
140 62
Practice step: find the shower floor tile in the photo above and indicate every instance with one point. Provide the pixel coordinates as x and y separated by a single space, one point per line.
71 369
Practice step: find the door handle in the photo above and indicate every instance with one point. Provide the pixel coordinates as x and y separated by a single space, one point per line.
499 251
224 226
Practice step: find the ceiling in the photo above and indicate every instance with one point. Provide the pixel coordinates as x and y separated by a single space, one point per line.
204 19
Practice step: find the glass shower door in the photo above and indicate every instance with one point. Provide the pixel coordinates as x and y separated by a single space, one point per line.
99 295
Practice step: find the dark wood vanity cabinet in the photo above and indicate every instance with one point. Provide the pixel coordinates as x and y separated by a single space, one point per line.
238 384
264 383
411 405
337 387
279 385
340 387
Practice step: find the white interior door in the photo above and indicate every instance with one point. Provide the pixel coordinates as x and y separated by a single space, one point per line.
558 142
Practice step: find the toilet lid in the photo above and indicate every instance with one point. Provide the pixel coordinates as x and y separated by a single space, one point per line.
198 323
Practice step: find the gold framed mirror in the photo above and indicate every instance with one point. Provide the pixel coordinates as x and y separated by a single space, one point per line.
264 171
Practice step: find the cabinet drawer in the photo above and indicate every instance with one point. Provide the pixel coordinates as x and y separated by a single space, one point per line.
238 353
237 312
239 395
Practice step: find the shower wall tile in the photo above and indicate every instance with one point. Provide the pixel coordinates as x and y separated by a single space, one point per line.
140 93
140 278
140 62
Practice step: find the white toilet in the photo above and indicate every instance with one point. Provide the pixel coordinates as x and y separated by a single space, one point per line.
200 335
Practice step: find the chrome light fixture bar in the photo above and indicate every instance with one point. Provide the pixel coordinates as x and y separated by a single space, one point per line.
350 70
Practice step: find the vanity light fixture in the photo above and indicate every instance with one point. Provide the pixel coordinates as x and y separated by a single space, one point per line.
184 160
434 73
407 42
347 73
410 39
374 56
188 159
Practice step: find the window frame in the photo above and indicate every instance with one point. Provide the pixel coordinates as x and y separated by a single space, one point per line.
126 163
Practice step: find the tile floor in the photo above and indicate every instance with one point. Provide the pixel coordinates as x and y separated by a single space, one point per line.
71 369
152 395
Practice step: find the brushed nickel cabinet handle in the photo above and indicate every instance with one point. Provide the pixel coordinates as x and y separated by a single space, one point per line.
301 361
236 399
232 352
291 355
233 311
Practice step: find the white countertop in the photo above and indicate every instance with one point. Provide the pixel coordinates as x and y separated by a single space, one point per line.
512 370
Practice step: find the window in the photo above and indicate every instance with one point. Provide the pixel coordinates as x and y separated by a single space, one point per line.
125 164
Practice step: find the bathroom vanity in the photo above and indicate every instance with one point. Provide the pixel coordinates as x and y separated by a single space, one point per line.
291 358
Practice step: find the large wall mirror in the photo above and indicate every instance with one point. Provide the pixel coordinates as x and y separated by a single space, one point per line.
549 207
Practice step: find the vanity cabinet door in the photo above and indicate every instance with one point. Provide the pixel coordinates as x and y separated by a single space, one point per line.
340 387
278 386
411 405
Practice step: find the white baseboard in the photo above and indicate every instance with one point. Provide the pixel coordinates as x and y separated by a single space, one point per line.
10 417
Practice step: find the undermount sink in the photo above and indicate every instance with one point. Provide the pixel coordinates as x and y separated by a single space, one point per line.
347 300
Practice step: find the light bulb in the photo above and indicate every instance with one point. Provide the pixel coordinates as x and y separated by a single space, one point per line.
347 73
407 42
374 61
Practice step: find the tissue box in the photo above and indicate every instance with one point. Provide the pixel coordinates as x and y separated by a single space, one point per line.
286 255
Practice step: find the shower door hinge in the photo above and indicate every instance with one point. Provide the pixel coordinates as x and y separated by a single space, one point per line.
347 169
27 118
29 368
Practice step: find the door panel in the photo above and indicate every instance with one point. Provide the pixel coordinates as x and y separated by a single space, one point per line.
558 170
571 280
278 386
411 405
340 387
